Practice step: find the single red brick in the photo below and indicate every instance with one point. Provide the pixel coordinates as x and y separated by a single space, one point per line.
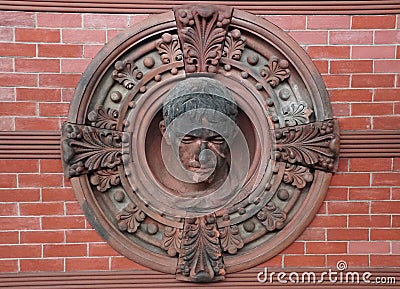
350 37
105 21
6 34
59 50
17 49
385 234
347 234
350 179
19 223
8 265
50 166
387 94
286 22
385 260
64 222
351 260
17 109
351 95
8 209
312 234
17 79
386 179
341 109
396 164
67 94
351 66
9 237
385 207
327 21
42 237
84 36
101 249
369 247
370 164
86 264
64 250
396 108
59 20
41 209
59 80
362 221
40 265
387 66
20 251
38 94
40 180
329 52
336 81
387 122
7 123
74 65
8 180
337 194
304 261
387 36
326 247
395 194
290 20
73 208
37 65
396 221
19 195
90 50
373 22
113 33
79 236
37 35
6 65
373 52
13 18
369 194
295 248
396 248
18 166
322 65
123 263
58 194
37 124
53 109
348 208
373 80
329 222
310 37
343 165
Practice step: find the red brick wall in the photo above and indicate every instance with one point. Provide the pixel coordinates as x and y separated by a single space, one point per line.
42 56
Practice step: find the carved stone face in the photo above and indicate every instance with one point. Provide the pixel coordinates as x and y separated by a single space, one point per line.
199 121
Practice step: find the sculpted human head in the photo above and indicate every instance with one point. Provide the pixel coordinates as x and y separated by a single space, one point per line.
199 117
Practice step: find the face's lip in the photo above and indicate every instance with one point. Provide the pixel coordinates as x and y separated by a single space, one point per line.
203 170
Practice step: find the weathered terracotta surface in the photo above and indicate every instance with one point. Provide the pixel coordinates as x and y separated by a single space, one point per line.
111 144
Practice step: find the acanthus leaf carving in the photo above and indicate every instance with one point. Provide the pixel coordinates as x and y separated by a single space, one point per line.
169 49
202 31
105 179
200 257
297 176
275 71
230 238
172 239
126 73
311 145
297 113
104 118
130 218
272 217
234 45
87 149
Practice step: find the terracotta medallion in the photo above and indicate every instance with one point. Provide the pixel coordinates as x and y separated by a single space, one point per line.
200 142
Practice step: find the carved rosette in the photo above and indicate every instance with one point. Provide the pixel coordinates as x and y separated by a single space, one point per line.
111 143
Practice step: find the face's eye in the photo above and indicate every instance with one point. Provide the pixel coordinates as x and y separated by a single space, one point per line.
187 139
218 140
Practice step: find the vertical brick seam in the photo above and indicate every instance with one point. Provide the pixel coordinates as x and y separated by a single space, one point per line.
42 56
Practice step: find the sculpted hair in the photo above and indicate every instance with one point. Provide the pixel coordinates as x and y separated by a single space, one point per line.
200 94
